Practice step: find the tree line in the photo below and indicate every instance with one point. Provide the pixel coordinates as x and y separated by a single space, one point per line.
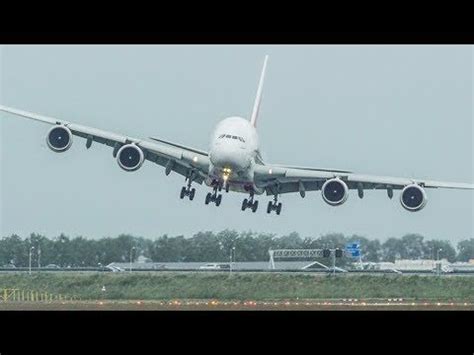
209 246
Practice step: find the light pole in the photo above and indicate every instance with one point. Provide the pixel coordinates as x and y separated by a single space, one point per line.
131 251
39 256
31 250
438 266
232 257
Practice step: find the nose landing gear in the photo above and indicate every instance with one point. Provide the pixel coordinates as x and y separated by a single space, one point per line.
214 197
250 203
274 205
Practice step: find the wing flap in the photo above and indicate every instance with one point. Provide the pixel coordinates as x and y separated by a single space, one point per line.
271 177
194 150
183 159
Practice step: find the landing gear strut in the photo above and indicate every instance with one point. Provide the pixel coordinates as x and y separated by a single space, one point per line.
214 197
274 205
187 190
250 203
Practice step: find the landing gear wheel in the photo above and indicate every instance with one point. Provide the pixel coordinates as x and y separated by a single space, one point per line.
183 192
227 188
244 204
269 207
218 200
208 198
254 206
191 193
278 210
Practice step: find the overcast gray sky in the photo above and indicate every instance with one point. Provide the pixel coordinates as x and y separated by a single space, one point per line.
387 110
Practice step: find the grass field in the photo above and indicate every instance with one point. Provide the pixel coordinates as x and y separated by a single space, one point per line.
242 286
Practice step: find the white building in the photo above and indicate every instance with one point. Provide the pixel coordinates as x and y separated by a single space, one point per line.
421 265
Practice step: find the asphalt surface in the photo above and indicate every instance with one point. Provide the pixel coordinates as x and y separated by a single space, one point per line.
214 305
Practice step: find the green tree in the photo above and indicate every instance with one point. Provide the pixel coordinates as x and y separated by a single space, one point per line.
14 250
412 246
392 249
62 254
466 250
166 249
446 250
290 241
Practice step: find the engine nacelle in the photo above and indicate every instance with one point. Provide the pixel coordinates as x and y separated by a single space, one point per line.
59 139
335 192
130 157
413 198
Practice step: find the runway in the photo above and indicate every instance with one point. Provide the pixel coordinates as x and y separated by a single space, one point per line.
214 305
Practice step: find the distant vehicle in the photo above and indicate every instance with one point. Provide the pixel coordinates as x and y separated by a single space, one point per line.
444 269
159 266
52 266
114 268
396 271
9 266
215 266
337 269
447 269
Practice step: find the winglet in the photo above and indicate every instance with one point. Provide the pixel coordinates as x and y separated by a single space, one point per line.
258 98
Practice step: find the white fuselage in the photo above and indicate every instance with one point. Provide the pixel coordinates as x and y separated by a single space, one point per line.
233 152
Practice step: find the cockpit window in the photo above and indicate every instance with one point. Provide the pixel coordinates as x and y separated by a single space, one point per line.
232 137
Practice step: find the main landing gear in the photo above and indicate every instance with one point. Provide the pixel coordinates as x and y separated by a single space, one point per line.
187 190
214 197
250 203
274 205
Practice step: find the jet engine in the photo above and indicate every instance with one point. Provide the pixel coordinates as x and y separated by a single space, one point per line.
413 197
59 139
335 192
130 157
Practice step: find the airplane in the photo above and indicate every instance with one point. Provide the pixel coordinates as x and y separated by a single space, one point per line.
234 163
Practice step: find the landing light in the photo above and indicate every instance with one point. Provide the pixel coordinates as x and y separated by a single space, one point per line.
195 159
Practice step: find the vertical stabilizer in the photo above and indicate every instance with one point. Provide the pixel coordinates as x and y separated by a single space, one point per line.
258 98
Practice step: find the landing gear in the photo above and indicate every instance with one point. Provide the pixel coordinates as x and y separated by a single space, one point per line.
250 203
187 190
274 205
214 197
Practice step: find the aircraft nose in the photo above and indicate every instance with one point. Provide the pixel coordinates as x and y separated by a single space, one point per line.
224 157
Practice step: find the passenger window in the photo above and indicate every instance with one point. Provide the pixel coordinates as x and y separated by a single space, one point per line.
228 136
234 137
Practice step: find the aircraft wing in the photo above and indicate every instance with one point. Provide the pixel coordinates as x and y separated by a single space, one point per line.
175 158
280 179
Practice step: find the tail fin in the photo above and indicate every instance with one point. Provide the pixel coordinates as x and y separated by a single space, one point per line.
258 98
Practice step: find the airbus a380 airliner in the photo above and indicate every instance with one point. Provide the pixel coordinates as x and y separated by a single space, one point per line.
234 163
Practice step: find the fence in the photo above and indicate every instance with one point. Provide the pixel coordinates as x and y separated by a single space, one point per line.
17 295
